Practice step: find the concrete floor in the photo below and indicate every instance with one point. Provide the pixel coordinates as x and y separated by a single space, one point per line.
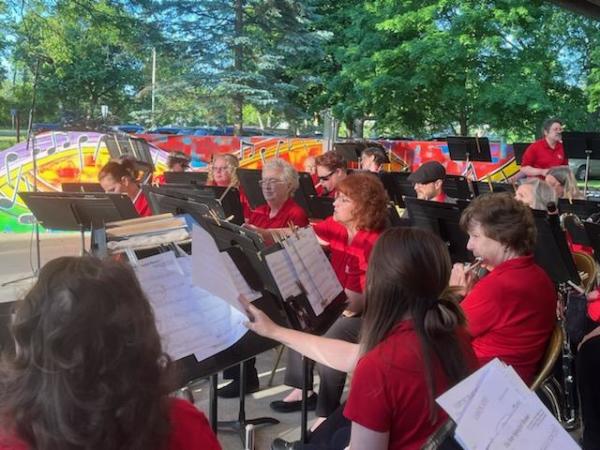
17 260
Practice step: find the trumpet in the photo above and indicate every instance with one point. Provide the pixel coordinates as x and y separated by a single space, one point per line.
475 265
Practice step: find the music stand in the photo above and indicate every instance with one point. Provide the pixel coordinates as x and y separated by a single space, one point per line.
552 251
469 149
397 186
306 196
199 178
593 232
519 150
581 208
442 219
484 187
582 145
136 149
75 211
457 186
81 187
249 179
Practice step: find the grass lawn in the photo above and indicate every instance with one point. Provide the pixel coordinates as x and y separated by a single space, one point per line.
8 138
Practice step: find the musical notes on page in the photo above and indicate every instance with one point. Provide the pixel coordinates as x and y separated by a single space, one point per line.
190 320
216 272
494 409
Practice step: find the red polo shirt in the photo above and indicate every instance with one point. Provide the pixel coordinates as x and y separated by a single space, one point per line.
290 212
141 205
389 389
348 259
541 156
511 313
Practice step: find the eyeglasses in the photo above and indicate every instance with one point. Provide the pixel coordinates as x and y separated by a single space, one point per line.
326 177
270 182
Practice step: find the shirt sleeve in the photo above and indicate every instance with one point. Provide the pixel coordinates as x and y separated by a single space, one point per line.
369 403
324 230
299 217
190 429
528 158
480 311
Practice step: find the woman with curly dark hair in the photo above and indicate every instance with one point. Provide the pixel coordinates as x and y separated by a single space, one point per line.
88 371
358 219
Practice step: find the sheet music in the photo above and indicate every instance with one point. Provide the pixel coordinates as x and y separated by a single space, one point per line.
502 413
313 268
189 320
213 273
282 269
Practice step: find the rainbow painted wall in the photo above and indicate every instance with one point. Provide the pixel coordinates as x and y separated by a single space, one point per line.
77 157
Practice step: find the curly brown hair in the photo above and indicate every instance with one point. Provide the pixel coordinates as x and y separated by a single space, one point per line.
89 371
370 197
504 219
332 160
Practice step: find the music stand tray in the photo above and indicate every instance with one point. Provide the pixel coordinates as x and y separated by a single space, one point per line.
186 177
519 150
81 187
469 149
249 179
582 145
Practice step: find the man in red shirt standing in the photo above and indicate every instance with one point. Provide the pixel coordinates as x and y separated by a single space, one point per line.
545 153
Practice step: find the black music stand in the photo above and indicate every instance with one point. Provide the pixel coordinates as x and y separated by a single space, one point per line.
442 219
81 187
581 208
484 187
552 251
457 186
316 207
74 211
582 145
469 149
519 150
249 179
397 186
186 177
593 232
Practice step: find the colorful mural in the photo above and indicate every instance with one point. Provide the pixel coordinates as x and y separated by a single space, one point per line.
77 157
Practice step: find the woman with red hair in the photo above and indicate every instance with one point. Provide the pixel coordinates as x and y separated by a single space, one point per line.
358 219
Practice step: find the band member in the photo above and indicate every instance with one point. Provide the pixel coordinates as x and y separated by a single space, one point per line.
373 159
310 166
428 181
119 177
89 371
510 312
331 169
562 180
176 162
535 193
358 220
412 345
222 173
545 153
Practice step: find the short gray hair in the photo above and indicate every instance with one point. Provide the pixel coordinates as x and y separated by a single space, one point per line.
542 193
289 173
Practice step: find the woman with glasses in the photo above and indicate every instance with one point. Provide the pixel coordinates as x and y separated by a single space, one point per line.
222 173
331 169
359 218
278 183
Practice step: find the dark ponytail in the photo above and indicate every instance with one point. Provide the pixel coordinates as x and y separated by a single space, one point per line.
407 276
119 169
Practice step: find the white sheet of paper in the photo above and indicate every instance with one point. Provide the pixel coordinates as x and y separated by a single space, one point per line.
282 269
210 271
497 411
238 279
189 320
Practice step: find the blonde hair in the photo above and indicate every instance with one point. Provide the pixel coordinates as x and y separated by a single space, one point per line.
564 175
542 193
232 164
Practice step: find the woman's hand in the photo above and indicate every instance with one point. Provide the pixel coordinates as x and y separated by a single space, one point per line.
461 280
259 322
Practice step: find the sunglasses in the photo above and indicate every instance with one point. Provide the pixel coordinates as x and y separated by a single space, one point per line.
326 177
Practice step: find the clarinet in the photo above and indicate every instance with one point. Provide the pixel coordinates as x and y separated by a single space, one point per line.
569 414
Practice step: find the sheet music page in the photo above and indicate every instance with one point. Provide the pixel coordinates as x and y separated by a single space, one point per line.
239 281
209 270
313 268
189 320
282 269
504 414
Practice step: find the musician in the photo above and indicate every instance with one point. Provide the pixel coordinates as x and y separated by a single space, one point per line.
310 166
359 218
535 193
331 169
278 183
373 159
89 371
546 152
562 180
119 177
222 173
428 181
176 162
412 345
510 312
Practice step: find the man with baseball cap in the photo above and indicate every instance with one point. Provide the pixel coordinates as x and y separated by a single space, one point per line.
428 181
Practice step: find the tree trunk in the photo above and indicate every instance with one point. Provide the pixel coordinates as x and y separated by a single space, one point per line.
238 99
464 127
358 129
